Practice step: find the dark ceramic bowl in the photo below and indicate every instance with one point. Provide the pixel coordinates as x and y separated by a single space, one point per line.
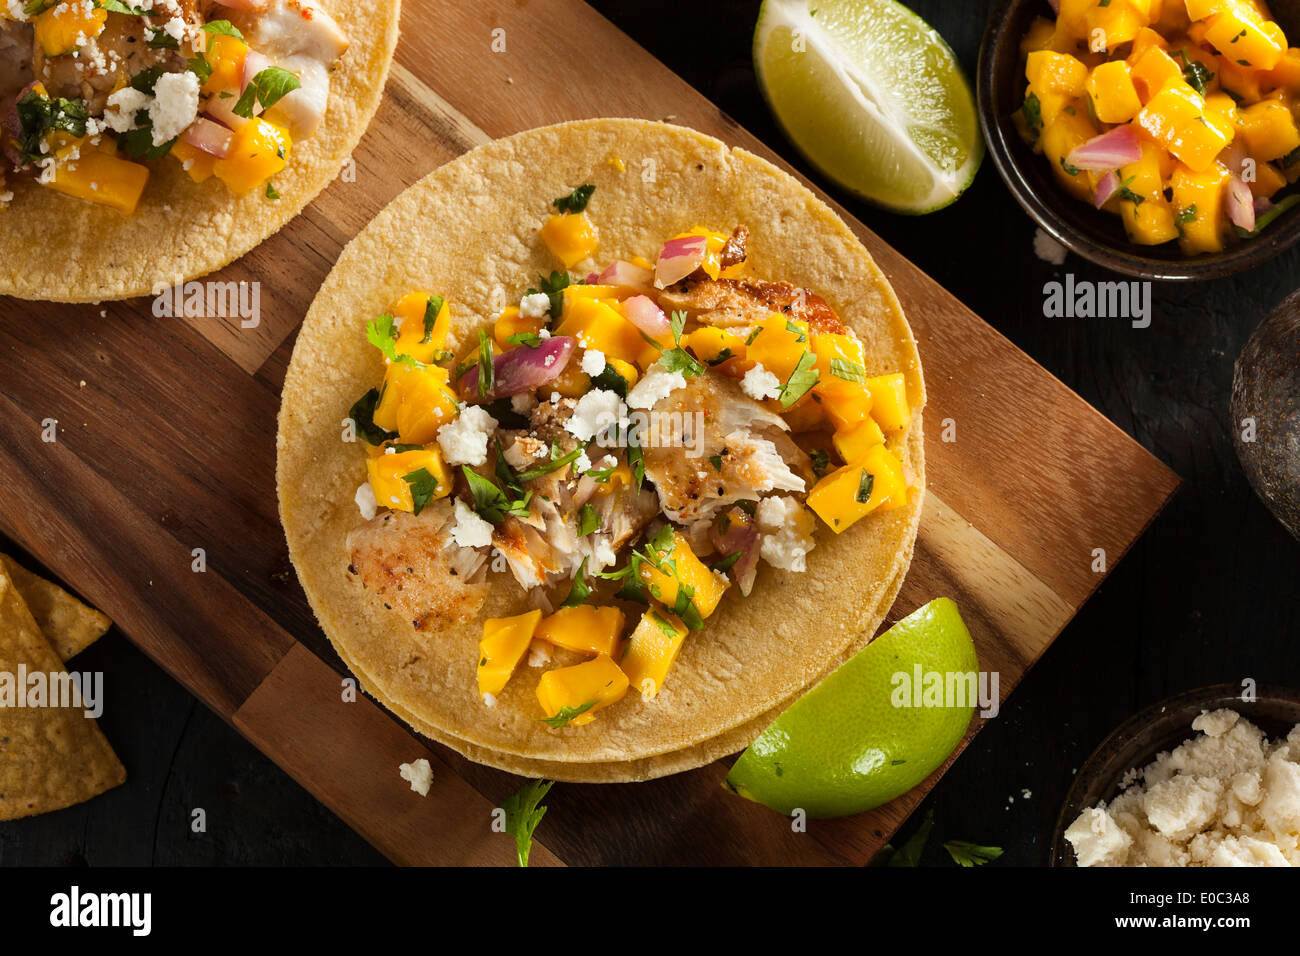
1097 236
1161 727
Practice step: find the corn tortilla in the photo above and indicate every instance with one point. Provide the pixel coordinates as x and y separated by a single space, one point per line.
470 230
50 757
57 248
67 624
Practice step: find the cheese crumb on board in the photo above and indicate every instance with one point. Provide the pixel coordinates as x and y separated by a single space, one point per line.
418 774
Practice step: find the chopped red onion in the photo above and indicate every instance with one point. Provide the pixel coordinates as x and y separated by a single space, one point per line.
742 537
626 274
1107 186
523 369
679 258
1241 204
642 312
1110 150
210 137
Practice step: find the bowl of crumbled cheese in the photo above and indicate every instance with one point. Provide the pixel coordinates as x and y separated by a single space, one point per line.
1210 777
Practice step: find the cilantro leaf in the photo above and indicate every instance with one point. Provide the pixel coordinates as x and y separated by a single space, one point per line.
555 464
821 461
727 563
523 812
566 714
865 484
424 488
223 27
490 501
969 854
432 309
580 590
802 379
487 370
363 418
680 360
909 854
38 116
554 287
849 371
576 201
588 521
531 339
267 88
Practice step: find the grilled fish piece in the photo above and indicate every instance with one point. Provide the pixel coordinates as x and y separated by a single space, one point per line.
728 303
412 564
737 458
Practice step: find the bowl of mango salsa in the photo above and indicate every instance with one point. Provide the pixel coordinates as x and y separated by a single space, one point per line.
1159 138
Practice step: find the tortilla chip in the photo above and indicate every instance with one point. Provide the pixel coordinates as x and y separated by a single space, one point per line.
56 248
67 624
50 757
756 654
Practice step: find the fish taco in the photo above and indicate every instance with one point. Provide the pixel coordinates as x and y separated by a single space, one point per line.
150 141
598 447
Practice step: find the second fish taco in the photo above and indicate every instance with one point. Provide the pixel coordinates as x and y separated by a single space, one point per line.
151 141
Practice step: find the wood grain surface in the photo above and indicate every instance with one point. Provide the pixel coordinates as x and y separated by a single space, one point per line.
166 444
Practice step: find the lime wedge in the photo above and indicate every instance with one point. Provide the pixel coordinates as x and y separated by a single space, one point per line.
860 737
872 96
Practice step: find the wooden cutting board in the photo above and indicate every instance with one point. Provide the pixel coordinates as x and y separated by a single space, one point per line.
166 444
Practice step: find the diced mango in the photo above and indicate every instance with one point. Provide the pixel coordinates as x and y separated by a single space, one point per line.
1286 75
843 403
1240 36
415 402
1148 217
1267 181
259 151
1153 71
714 244
1146 39
1060 138
1117 22
585 628
597 324
226 55
1114 97
99 177
778 343
682 581
715 346
60 28
388 474
590 686
1169 111
1039 36
1049 72
652 649
571 236
1203 9
197 164
852 492
1243 81
889 406
1199 143
423 336
1269 129
505 641
573 382
854 442
1198 207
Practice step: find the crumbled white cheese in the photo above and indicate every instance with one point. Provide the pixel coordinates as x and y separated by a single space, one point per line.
535 306
1048 249
759 384
175 105
470 531
119 116
1226 797
593 361
489 700
787 528
464 441
595 412
539 654
657 385
418 774
365 500
544 334
523 403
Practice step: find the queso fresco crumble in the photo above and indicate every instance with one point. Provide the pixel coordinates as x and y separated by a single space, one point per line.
1227 797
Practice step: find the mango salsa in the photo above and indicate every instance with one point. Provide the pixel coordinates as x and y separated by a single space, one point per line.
852 492
395 477
1210 89
571 236
680 581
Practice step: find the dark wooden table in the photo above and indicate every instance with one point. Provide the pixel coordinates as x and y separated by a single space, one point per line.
1208 595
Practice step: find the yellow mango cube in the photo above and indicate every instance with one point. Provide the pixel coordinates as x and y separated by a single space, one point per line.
651 651
1268 180
778 343
1148 217
1199 143
1114 97
854 491
597 324
590 687
1198 206
714 346
1116 23
843 403
423 335
415 402
1269 129
1050 72
505 641
99 177
585 628
1060 138
571 237
854 442
226 55
389 476
1153 71
681 581
1243 81
839 357
197 164
260 150
1240 37
889 406
60 28
1169 111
